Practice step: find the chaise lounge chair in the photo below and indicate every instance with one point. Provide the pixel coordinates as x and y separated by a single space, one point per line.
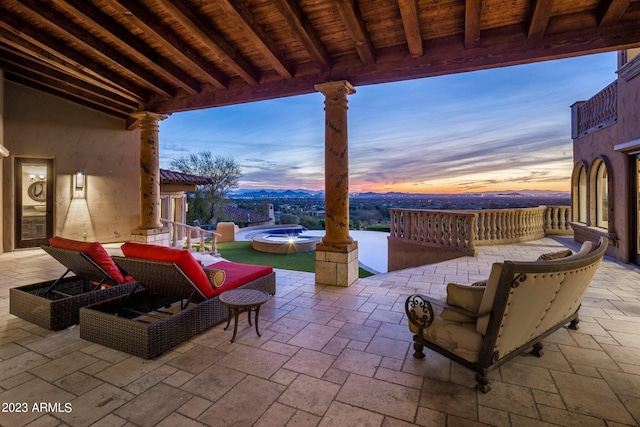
179 299
54 304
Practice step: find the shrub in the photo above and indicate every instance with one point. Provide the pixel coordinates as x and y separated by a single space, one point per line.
289 219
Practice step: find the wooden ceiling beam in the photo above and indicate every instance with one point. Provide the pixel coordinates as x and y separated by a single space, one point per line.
472 20
613 12
91 17
260 38
540 18
442 56
55 21
151 25
20 61
305 33
357 29
12 42
61 90
214 41
25 36
411 24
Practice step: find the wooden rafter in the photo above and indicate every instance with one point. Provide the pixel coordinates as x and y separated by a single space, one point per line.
411 24
472 19
151 25
260 38
18 61
84 38
28 38
107 27
176 55
305 33
212 39
441 58
356 27
540 18
614 11
59 89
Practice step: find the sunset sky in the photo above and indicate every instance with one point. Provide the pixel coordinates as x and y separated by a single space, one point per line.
494 130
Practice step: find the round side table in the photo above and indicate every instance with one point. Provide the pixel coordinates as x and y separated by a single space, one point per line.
248 300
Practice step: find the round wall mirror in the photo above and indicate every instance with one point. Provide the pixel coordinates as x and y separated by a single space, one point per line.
38 191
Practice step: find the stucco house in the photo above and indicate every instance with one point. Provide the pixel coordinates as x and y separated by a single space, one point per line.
84 87
91 191
606 153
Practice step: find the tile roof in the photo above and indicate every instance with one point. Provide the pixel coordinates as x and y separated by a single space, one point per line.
173 177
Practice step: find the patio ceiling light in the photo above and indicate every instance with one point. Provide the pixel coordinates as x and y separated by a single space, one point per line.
79 180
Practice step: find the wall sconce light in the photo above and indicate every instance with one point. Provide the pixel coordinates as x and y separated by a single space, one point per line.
79 180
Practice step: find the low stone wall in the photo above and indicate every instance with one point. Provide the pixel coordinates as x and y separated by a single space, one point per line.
421 237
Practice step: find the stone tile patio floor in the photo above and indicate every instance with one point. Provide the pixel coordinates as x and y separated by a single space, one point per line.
329 357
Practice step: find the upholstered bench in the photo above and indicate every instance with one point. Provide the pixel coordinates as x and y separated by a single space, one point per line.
519 305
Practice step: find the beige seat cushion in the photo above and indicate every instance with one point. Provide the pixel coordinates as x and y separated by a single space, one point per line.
463 296
487 298
461 339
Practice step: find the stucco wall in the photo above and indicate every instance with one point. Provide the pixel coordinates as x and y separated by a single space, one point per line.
2 158
601 144
629 103
587 150
77 138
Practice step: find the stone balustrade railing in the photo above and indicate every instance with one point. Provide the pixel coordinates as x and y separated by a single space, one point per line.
454 230
556 220
599 111
177 230
464 230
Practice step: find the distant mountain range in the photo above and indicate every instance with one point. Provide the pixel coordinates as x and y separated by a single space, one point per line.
281 193
302 193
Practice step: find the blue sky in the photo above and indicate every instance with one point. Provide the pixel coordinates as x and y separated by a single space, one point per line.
502 129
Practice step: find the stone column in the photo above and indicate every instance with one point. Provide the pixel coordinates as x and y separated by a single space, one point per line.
150 229
337 255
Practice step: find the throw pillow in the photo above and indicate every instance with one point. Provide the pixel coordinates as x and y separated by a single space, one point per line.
555 255
463 296
216 277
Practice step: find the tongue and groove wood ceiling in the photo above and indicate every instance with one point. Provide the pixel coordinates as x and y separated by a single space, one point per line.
121 56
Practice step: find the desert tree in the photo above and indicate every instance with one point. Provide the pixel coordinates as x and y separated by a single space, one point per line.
224 172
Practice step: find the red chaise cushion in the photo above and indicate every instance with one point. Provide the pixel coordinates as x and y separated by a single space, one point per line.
238 274
181 257
96 252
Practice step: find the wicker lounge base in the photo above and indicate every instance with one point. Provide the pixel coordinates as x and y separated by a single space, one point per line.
147 325
59 309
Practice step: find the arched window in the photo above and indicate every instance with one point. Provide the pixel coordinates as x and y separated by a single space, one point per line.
602 197
582 195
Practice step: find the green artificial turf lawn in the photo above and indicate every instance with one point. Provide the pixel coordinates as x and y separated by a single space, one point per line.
244 253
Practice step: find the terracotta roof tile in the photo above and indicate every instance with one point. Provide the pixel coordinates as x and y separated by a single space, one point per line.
173 177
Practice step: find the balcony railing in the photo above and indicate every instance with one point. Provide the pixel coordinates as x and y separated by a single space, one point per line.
464 230
599 111
177 230
451 229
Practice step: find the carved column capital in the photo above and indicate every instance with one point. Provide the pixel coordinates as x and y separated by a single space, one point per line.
149 115
339 87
